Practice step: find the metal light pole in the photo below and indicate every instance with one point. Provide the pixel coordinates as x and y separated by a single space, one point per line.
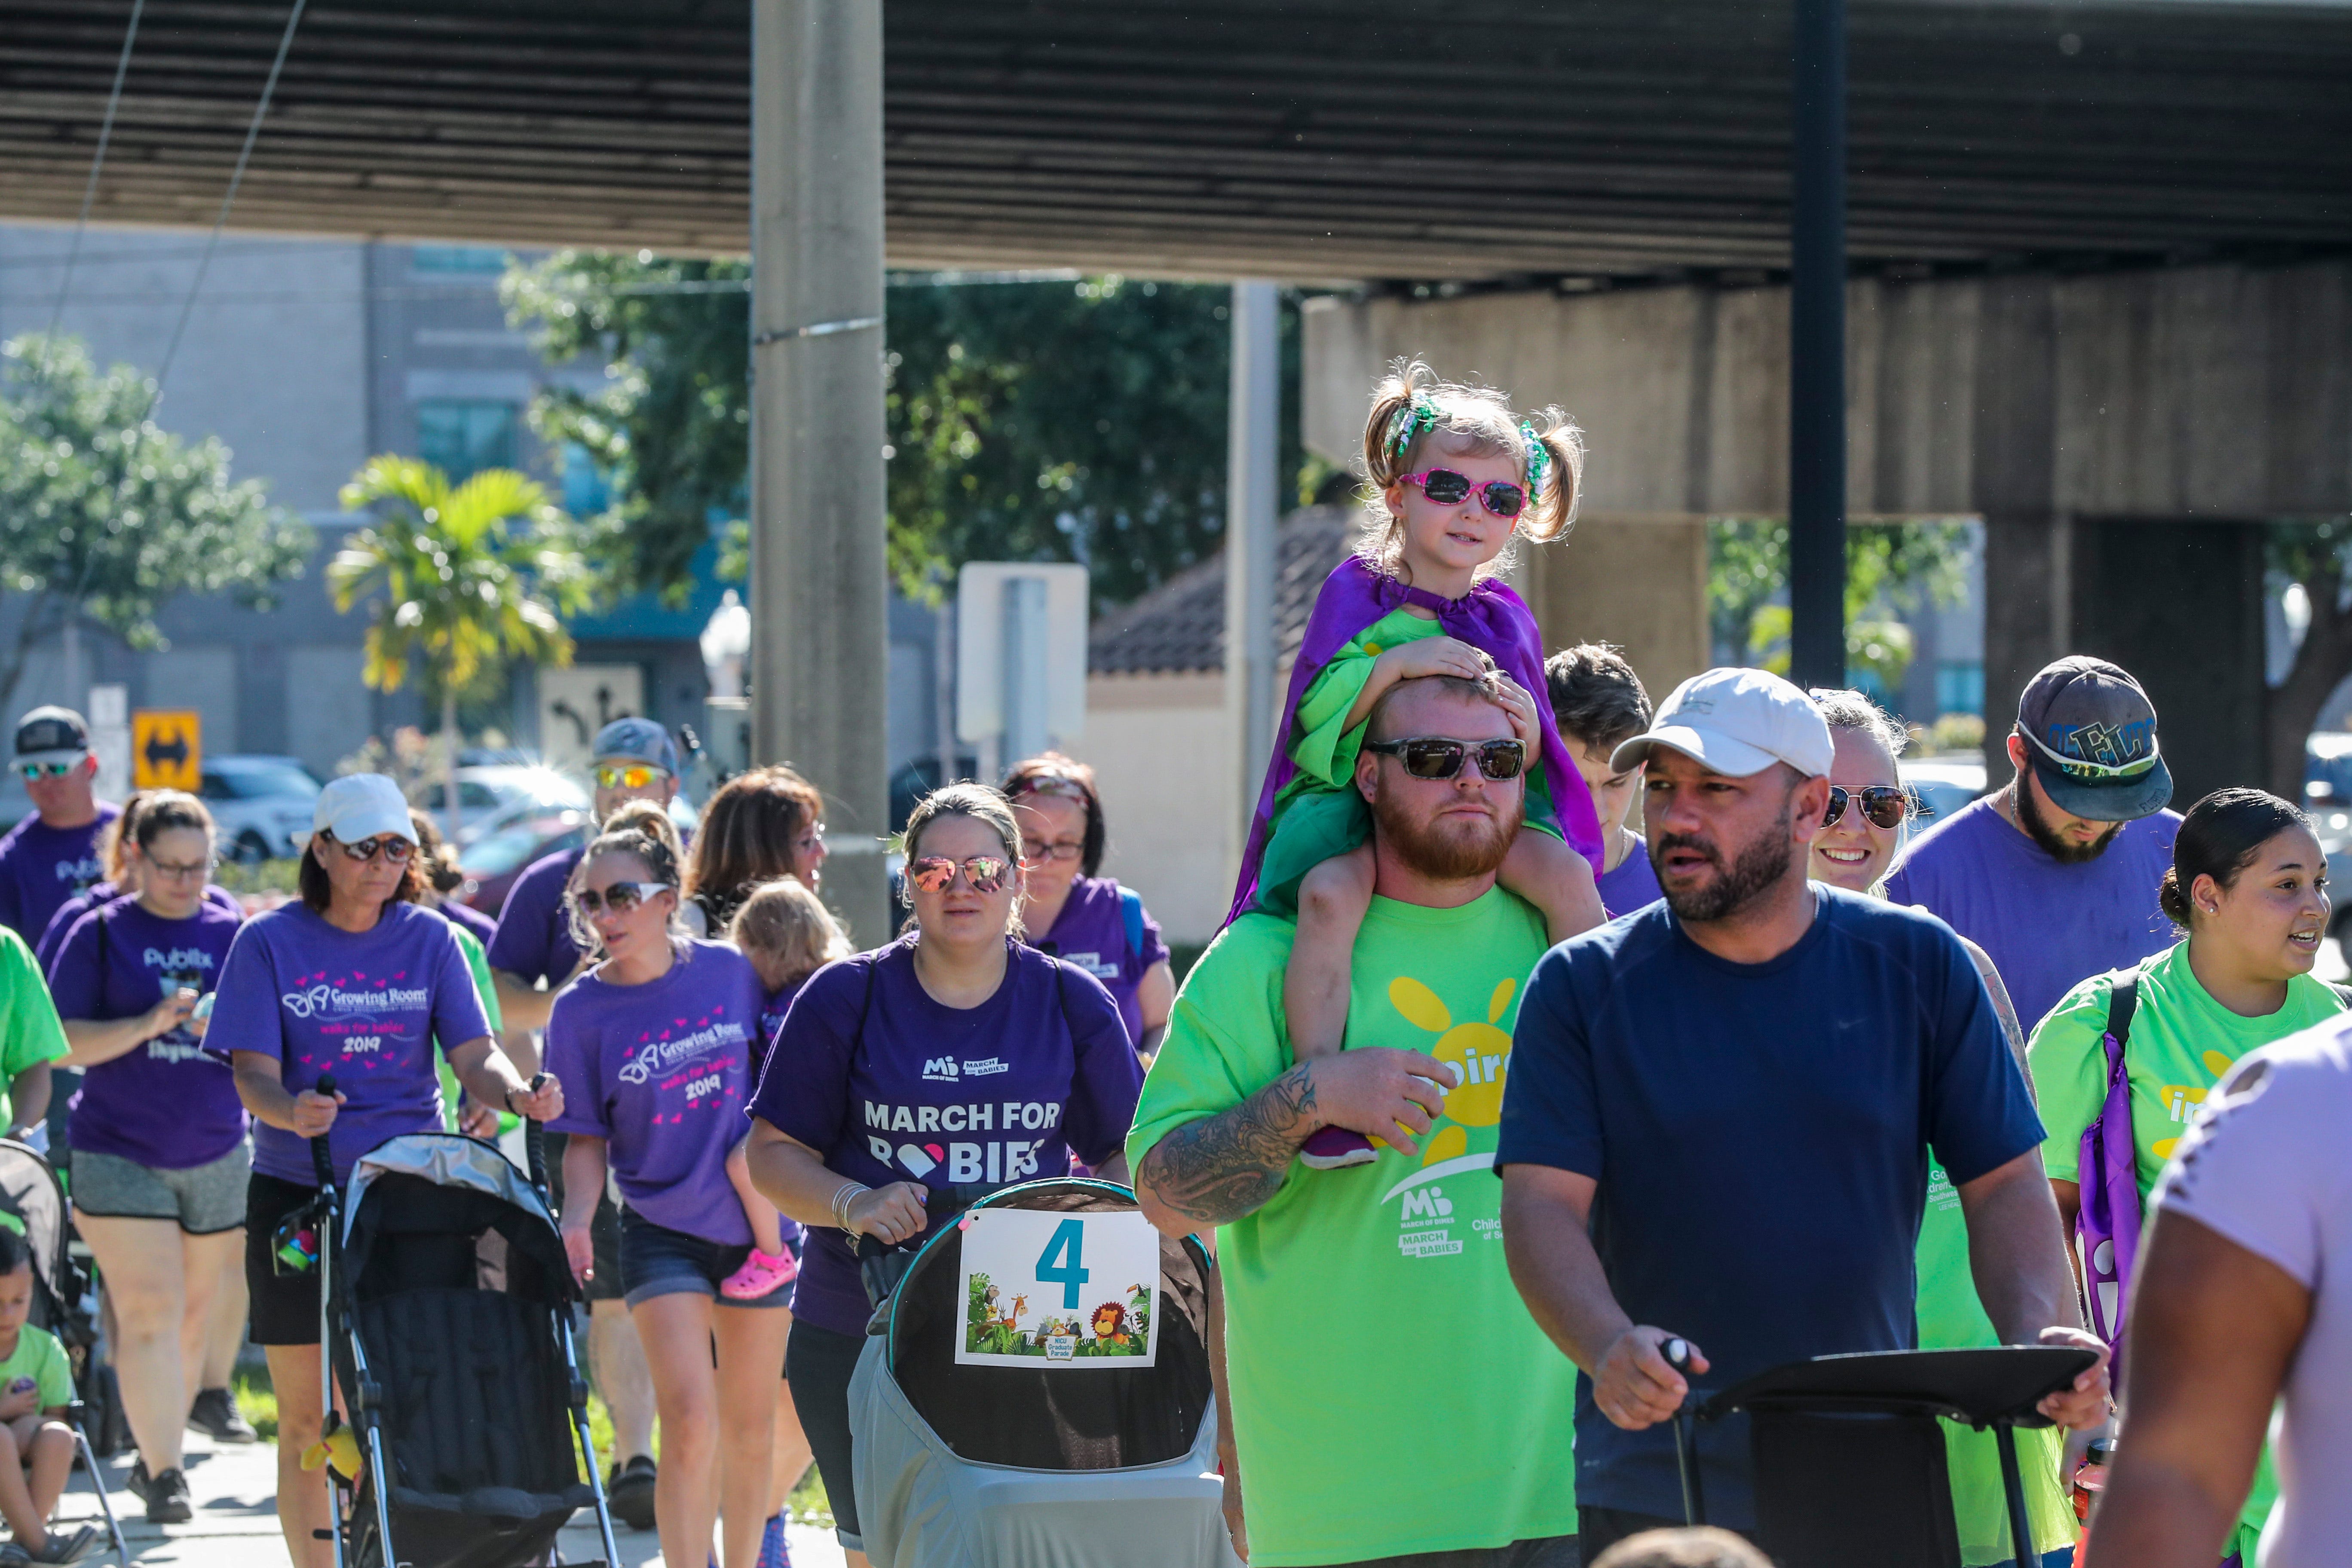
1817 350
1252 433
820 642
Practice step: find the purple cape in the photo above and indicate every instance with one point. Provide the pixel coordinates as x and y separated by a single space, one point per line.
1491 618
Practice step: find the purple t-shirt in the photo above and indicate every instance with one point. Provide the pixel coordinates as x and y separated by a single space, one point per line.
891 1086
533 940
41 866
2049 927
661 1071
1633 885
472 920
772 1022
99 893
169 1103
1091 932
364 1005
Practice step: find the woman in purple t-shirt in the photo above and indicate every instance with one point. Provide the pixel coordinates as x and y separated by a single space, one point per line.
654 1046
1077 916
957 1056
356 982
160 1159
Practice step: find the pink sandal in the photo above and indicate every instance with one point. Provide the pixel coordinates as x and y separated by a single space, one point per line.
762 1274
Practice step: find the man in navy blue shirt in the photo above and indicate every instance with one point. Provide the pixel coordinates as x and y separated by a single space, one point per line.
1720 1109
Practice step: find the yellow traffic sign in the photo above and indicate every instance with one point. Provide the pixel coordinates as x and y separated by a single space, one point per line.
167 750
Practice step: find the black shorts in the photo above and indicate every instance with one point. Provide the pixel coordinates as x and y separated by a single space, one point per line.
817 1363
285 1306
604 1231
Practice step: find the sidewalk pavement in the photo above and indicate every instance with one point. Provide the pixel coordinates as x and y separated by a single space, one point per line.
234 1490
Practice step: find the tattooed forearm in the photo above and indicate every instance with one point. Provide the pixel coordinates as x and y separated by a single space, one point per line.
1215 1170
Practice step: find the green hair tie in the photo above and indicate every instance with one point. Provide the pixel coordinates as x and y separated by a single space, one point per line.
1538 459
1408 424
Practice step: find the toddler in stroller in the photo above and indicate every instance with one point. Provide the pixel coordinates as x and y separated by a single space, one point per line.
37 1445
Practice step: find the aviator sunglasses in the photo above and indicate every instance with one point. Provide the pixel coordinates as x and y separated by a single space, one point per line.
937 873
1882 805
390 846
1448 488
620 897
1433 757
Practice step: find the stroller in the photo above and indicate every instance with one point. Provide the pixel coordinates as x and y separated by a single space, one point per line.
32 1197
446 1322
1034 1390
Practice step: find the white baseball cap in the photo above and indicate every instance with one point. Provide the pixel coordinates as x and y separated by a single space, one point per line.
357 807
1736 722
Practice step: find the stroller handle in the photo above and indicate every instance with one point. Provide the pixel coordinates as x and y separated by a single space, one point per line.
322 1159
534 1141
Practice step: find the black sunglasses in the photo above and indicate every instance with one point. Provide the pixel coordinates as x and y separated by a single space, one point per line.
1435 757
1448 488
1882 805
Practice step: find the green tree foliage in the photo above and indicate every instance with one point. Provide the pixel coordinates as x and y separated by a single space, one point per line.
462 579
1886 565
1026 421
103 512
2313 554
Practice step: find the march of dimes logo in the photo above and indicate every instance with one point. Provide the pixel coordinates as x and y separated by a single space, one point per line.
355 1012
688 1055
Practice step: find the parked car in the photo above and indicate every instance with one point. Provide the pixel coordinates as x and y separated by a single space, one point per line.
493 861
261 804
493 795
1944 783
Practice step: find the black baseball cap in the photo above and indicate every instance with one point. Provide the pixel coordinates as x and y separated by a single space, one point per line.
2090 732
51 735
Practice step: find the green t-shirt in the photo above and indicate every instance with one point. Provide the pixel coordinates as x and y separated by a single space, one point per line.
477 962
2180 1043
1322 743
39 1356
29 1031
1952 1318
1390 1394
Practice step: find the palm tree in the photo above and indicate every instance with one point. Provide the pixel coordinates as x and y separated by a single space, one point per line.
469 577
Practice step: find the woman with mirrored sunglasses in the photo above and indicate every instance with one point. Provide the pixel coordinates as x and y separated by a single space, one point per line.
1855 849
356 982
956 1056
654 1046
1073 912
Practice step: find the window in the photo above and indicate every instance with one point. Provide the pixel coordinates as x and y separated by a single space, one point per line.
586 491
458 258
462 436
1960 686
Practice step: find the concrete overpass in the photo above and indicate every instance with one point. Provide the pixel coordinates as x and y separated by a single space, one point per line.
2099 292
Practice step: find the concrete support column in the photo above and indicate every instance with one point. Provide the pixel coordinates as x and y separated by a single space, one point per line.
1640 584
1252 437
820 650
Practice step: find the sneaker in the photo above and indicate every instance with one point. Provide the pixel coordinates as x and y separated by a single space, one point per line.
1335 1148
762 1274
64 1548
214 1414
773 1552
630 1492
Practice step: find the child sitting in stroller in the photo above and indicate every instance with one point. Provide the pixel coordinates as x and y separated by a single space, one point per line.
37 1445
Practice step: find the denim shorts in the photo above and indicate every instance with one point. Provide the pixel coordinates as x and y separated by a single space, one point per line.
658 1261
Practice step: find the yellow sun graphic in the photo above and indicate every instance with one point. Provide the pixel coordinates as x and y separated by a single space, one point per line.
1478 1051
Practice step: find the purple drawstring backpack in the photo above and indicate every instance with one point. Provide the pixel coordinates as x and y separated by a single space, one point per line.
2106 1175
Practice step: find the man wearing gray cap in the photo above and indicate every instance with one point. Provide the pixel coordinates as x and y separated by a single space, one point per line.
1719 1109
2055 873
52 855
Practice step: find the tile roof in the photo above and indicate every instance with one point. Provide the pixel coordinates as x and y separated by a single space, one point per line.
1180 626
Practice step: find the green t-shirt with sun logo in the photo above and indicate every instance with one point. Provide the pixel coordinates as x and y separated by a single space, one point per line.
2180 1043
1390 1394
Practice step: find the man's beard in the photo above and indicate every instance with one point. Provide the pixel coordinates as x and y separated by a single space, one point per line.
1757 870
1440 850
2037 828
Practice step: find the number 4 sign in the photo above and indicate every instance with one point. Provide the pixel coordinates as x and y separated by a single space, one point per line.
1059 1290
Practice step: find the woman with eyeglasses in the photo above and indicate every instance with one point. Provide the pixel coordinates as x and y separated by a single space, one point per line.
956 1056
758 826
118 852
1859 843
357 983
1077 916
654 1047
159 1155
